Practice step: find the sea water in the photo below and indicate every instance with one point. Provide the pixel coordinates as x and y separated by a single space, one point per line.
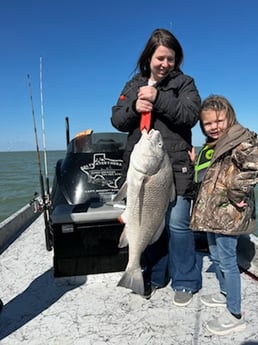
19 178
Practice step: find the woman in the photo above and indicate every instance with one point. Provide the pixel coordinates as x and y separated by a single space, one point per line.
160 87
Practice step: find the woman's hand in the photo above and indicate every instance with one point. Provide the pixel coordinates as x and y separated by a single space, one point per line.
143 106
148 93
146 97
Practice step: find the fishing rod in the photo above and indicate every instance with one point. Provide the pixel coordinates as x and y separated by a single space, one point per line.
43 129
67 130
41 180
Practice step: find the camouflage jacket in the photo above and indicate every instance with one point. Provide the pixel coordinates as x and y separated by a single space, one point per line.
230 178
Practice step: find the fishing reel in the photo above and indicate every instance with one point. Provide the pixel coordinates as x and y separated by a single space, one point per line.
38 204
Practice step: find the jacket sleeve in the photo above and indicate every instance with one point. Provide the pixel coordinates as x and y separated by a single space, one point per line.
179 105
124 117
245 157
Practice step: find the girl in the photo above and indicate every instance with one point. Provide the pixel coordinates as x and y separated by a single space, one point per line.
225 204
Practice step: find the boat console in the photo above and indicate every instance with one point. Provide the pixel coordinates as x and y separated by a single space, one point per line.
84 224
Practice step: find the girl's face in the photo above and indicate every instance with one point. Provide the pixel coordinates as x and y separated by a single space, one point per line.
162 62
214 123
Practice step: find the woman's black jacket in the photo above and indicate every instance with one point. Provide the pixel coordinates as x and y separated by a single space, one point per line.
175 112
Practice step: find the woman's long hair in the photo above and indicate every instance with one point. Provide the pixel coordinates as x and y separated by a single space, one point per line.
159 37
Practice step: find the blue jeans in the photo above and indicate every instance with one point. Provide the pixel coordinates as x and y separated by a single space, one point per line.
224 256
173 256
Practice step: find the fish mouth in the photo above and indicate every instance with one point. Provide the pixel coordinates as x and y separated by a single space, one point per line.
153 136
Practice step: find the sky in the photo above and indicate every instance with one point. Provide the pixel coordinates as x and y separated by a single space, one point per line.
89 49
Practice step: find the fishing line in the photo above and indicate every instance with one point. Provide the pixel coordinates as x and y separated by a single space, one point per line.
36 136
43 127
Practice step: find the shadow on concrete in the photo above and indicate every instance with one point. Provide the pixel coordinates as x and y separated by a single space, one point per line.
40 295
245 251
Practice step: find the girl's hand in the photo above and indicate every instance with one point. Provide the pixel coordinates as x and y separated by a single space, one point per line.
192 155
241 204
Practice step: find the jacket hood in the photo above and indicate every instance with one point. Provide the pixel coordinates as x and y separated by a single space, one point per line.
233 137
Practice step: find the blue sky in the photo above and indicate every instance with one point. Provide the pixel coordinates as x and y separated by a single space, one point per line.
89 50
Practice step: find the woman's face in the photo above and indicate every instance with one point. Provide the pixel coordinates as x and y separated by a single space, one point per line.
214 123
162 62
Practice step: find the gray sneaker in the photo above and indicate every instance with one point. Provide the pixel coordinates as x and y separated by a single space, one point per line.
226 323
182 298
214 300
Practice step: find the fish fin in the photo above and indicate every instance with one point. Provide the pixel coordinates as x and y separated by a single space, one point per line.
158 232
121 194
123 218
133 279
123 242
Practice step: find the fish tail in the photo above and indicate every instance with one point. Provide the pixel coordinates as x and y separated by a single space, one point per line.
123 242
133 279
